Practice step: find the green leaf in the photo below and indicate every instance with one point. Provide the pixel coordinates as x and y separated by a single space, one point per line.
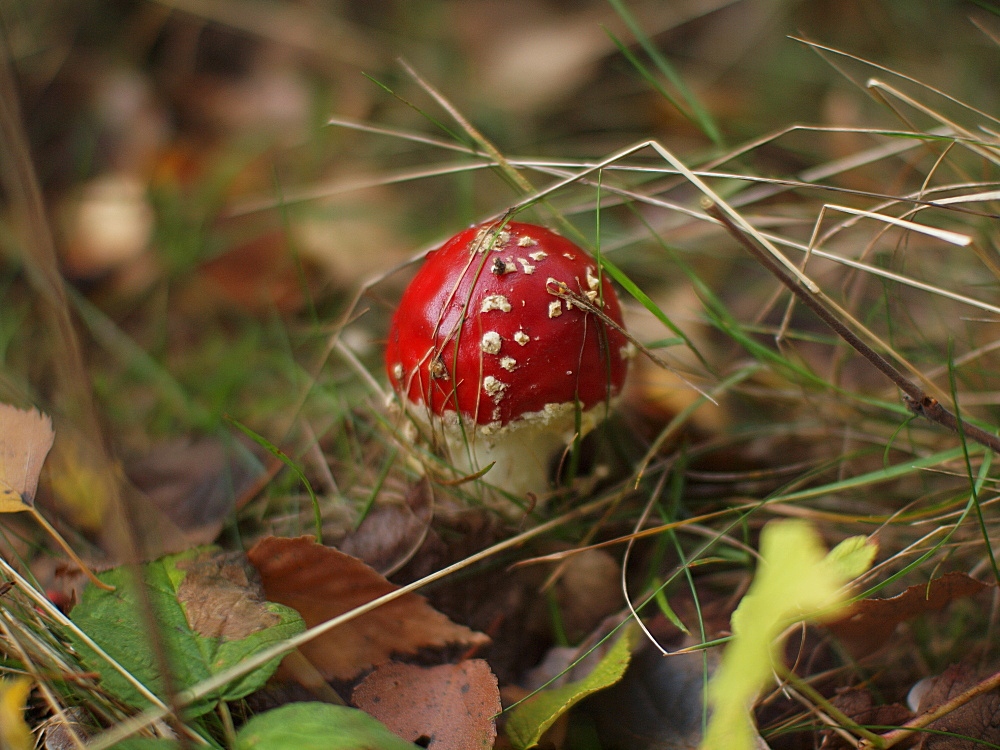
795 581
532 717
317 726
230 623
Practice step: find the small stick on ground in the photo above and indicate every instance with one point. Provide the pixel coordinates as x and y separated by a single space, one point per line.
907 730
915 398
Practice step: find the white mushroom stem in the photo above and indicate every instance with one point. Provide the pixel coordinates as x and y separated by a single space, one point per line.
521 452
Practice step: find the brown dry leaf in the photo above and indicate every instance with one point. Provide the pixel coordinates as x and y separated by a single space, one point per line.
543 57
658 394
195 483
871 622
322 583
26 436
588 590
451 707
974 725
858 704
222 598
356 243
392 532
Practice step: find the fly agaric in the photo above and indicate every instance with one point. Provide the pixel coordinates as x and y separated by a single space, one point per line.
508 342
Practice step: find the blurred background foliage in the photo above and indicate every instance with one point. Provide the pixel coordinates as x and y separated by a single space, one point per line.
215 228
217 232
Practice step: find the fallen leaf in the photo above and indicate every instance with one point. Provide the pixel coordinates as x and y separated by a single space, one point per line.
68 731
972 725
79 481
26 437
322 583
451 705
14 731
316 726
352 244
258 274
588 589
198 638
530 719
795 582
871 622
195 483
219 599
391 533
859 705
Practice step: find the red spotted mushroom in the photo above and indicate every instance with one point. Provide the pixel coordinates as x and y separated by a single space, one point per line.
502 347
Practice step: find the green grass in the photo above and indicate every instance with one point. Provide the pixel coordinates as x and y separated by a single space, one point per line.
802 427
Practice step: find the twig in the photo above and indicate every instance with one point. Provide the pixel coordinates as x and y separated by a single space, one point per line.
51 531
826 711
896 736
133 724
915 398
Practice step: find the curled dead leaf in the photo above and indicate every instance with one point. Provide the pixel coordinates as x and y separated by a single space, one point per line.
322 582
195 483
870 623
391 533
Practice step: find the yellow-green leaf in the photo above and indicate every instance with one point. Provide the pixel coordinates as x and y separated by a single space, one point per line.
852 557
14 731
796 581
531 718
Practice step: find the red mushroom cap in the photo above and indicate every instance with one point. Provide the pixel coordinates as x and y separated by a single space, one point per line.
488 330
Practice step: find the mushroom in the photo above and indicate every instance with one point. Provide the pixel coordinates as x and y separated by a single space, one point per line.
507 343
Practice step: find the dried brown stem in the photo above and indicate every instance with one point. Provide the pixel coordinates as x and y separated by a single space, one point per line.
84 568
915 398
906 731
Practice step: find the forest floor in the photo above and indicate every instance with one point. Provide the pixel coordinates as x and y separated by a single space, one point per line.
211 209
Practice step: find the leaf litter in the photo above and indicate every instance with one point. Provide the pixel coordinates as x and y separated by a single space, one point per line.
391 533
832 428
447 707
26 436
321 583
602 665
212 615
870 622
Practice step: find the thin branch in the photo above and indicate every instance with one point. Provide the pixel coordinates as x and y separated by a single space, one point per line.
906 731
915 398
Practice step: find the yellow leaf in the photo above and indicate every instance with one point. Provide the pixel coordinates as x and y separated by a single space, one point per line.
14 731
80 484
796 581
25 439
